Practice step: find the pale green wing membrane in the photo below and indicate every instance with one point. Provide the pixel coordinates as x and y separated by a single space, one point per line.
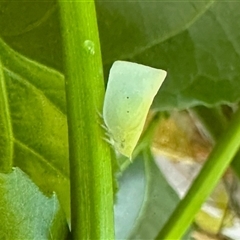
130 91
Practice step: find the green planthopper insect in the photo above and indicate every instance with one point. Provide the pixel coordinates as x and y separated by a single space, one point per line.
130 92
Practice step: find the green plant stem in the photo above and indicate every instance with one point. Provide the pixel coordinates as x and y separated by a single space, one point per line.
90 161
204 183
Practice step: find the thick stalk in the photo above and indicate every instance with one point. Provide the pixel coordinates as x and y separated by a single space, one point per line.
90 163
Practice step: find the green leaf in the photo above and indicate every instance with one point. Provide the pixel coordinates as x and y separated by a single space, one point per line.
144 202
136 26
33 29
34 101
26 213
191 40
